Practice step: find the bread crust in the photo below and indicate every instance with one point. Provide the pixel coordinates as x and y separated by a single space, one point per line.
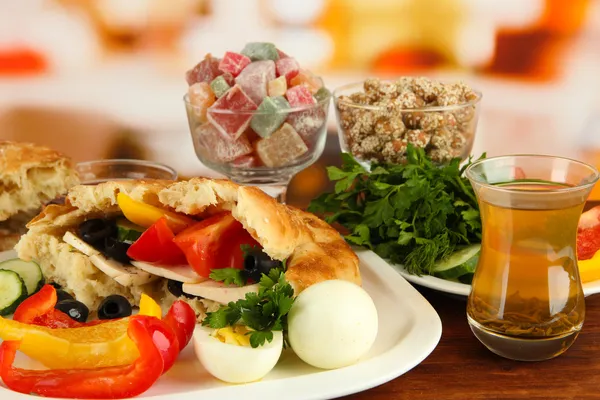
314 250
30 176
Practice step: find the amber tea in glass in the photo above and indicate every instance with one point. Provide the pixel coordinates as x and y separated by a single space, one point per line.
526 301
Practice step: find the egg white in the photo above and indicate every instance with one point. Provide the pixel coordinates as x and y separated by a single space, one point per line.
236 364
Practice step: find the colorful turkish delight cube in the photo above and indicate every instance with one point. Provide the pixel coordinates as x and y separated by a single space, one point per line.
200 97
306 78
281 148
281 54
219 86
269 116
205 71
277 87
308 123
230 114
213 146
255 77
233 63
228 78
287 67
245 162
322 94
299 96
257 51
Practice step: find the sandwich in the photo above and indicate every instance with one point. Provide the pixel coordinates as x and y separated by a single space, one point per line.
171 240
30 176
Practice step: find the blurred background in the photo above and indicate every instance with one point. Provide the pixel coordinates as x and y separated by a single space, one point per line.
105 78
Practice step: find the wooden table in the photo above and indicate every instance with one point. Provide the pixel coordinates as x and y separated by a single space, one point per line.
462 368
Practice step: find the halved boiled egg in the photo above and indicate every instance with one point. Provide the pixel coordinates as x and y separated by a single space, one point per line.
227 355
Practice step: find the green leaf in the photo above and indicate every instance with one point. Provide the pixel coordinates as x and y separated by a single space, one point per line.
258 338
229 276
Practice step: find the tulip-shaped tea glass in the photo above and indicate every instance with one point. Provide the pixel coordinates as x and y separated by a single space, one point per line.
233 143
527 301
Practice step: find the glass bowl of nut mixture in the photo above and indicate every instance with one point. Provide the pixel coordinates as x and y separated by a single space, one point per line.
377 119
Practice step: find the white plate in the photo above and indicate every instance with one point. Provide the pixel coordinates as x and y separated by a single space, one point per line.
409 330
462 289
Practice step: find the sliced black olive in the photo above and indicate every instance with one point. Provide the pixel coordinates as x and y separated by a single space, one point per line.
74 309
176 289
116 250
114 306
61 295
257 263
56 285
94 231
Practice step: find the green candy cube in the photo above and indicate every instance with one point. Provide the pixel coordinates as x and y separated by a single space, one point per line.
219 86
269 116
257 51
322 94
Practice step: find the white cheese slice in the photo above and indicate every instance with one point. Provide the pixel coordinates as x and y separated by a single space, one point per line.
217 291
125 275
183 273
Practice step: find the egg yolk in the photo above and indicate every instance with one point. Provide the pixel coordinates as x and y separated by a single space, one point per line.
236 335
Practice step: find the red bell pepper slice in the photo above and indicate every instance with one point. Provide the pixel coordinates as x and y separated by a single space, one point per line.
214 243
101 383
182 319
156 246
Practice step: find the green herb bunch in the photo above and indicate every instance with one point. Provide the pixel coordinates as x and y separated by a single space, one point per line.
412 214
263 312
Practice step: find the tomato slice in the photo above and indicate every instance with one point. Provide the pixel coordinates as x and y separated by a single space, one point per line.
214 243
156 246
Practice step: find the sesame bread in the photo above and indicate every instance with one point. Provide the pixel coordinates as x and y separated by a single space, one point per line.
314 250
30 176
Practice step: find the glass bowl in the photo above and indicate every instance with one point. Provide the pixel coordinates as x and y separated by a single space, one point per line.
249 159
381 132
92 172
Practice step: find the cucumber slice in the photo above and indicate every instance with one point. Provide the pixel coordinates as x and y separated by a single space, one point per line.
29 272
467 279
12 291
459 263
127 231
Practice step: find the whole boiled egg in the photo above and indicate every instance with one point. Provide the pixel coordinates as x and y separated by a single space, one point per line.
332 324
227 355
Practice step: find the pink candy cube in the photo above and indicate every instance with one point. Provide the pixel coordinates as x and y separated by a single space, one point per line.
213 146
287 67
277 87
234 63
245 162
205 71
299 96
200 96
255 77
308 123
281 148
232 125
306 78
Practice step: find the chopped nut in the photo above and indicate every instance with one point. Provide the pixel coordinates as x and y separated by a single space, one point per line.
384 134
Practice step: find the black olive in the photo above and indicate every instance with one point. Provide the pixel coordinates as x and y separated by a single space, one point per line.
94 231
257 263
116 250
56 285
114 306
61 295
176 289
74 309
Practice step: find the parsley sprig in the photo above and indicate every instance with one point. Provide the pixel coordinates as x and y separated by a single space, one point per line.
263 312
412 214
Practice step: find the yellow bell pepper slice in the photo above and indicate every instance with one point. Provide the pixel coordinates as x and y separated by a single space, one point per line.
145 215
103 345
589 270
149 307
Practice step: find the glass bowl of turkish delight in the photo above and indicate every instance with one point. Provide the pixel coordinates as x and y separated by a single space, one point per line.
378 119
256 116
